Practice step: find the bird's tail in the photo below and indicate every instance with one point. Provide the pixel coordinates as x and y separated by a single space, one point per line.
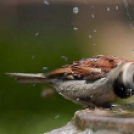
29 78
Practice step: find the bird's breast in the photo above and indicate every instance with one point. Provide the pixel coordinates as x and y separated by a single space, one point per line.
99 92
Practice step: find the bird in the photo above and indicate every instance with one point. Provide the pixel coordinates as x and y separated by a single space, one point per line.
97 81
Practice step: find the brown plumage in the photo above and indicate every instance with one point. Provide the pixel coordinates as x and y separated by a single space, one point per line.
91 69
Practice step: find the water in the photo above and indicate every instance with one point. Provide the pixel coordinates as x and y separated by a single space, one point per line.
44 68
108 9
116 7
57 116
46 2
92 15
75 28
64 58
32 57
36 34
94 30
75 10
90 36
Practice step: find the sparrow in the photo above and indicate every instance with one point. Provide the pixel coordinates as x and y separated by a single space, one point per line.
93 82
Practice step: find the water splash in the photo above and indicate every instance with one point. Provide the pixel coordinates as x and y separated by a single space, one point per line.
125 3
127 11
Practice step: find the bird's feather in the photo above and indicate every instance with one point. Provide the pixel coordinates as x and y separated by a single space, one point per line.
91 69
28 78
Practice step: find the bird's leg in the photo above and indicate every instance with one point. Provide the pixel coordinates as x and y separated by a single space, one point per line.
87 104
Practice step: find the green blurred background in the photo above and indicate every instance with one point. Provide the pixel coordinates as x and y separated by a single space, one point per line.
36 34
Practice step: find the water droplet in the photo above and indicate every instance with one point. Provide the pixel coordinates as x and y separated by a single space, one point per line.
95 30
46 2
75 28
75 10
92 15
93 7
91 96
128 14
82 61
131 26
36 34
108 9
47 92
64 57
44 68
85 2
90 36
57 116
65 74
34 85
32 57
125 3
116 7
120 109
77 99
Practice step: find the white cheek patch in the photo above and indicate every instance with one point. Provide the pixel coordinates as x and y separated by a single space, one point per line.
128 70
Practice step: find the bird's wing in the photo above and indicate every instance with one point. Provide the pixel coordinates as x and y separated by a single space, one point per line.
91 69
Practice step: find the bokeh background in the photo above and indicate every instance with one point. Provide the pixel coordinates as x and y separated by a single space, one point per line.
41 35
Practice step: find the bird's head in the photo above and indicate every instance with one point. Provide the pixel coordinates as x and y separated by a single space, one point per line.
123 83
